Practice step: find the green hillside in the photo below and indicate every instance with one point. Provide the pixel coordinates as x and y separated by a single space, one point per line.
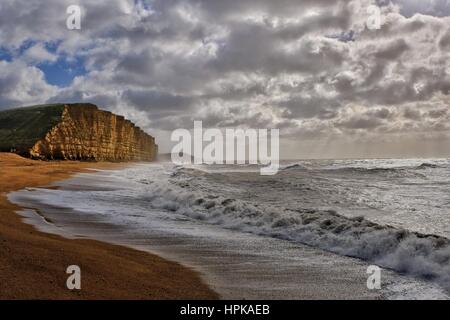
20 128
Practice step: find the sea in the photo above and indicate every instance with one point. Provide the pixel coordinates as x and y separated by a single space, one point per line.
309 232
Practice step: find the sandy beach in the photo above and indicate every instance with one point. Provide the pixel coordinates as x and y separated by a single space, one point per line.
33 264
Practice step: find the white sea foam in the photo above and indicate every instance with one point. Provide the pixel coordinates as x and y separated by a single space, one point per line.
405 251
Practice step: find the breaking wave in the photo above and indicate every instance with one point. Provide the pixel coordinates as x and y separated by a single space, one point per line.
425 256
294 166
426 165
397 171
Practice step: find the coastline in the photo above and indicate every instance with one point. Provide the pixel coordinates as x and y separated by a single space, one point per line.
233 264
33 264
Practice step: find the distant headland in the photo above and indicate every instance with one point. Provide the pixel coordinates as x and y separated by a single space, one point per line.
79 131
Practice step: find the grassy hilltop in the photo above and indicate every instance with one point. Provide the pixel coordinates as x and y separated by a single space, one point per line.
20 128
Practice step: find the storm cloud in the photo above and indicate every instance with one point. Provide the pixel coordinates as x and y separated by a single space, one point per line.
314 69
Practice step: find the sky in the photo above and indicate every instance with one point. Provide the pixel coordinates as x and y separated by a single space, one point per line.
334 87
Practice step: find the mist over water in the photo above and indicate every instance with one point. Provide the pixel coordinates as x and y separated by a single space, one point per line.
393 213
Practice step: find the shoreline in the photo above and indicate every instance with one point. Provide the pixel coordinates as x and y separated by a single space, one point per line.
233 264
33 263
236 265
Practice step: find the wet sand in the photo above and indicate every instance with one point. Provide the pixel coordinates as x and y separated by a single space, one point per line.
33 264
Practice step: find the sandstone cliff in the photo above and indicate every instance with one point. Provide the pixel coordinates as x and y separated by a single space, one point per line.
83 132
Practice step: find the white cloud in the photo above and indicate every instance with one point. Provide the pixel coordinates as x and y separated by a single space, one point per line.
310 67
38 54
23 85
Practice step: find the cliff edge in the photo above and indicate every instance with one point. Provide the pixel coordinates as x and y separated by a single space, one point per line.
77 131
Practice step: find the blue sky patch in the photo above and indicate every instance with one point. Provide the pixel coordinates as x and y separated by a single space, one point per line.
5 54
62 72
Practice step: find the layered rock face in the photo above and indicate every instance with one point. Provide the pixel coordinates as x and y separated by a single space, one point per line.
86 133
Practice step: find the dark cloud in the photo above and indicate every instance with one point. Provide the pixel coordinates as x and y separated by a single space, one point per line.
360 123
156 101
310 67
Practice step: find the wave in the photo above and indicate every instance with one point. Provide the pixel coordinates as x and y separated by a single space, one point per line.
398 171
294 166
425 256
395 172
426 165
